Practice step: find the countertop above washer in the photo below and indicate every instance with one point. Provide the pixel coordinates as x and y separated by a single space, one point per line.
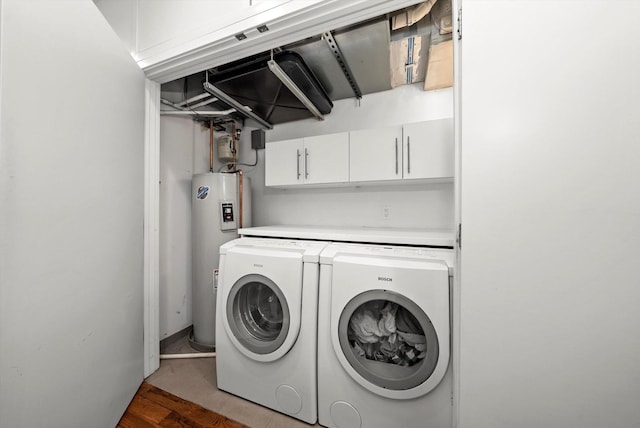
441 238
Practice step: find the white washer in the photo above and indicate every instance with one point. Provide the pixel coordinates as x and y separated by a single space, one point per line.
384 337
266 329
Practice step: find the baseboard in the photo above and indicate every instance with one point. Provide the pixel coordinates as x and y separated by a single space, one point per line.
175 337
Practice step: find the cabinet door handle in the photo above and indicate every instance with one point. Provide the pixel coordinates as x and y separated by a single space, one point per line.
298 163
306 163
396 156
408 155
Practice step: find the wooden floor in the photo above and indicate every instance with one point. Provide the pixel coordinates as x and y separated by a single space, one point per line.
152 408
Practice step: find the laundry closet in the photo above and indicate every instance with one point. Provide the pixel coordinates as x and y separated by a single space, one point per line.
356 133
533 106
352 192
544 196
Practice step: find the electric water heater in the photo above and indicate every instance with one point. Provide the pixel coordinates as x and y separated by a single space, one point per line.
220 204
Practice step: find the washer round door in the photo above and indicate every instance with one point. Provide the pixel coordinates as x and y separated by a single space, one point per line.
389 345
258 317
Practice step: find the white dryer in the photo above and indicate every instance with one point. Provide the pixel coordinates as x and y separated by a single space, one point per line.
384 337
266 327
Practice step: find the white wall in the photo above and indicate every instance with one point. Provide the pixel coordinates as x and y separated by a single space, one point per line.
550 325
417 206
404 104
122 16
71 217
169 20
177 136
145 25
155 30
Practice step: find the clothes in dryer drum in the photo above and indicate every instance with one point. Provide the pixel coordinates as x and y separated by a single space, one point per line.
388 339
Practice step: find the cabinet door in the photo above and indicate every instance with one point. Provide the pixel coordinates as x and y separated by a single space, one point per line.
376 154
326 158
428 149
283 164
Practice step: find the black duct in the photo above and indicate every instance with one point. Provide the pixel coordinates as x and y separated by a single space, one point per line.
251 83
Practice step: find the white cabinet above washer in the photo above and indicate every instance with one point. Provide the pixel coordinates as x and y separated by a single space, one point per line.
375 154
323 159
428 149
421 150
326 158
408 152
282 162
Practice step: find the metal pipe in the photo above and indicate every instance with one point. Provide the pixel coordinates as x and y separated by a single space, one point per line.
211 146
174 105
240 192
199 112
193 99
203 103
244 110
184 356
234 147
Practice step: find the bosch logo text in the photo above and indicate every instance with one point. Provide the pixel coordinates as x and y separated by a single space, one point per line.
384 278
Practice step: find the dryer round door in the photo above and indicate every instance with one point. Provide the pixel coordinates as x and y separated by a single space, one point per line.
258 317
389 345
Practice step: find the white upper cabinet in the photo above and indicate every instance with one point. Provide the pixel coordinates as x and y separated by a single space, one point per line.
428 149
376 154
326 158
421 150
311 160
282 163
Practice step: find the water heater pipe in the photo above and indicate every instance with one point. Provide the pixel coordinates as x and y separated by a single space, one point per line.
234 147
240 190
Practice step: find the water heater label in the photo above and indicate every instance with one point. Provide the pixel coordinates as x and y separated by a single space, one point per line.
203 192
227 212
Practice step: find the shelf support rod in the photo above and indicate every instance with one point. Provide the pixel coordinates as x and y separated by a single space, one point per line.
337 53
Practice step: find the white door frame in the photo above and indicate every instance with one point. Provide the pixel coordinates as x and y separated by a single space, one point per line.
151 300
311 21
456 6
